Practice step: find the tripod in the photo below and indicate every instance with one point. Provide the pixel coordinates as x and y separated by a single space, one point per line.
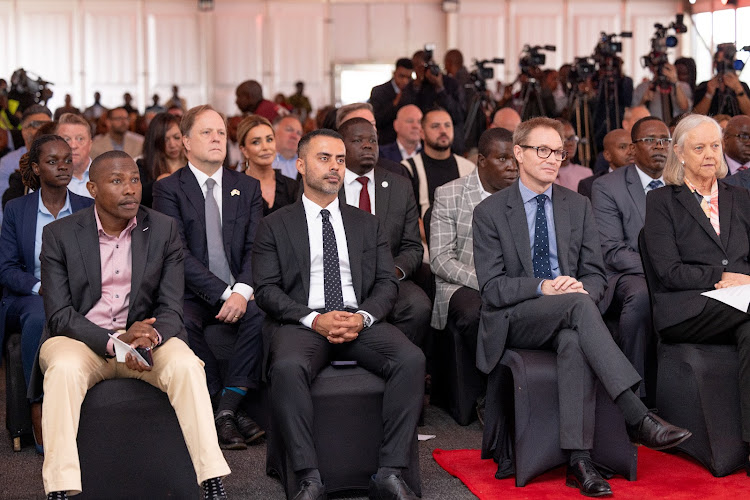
532 88
476 122
583 127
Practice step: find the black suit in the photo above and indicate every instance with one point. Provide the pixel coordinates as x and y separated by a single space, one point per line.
688 258
180 196
381 98
297 354
396 208
391 152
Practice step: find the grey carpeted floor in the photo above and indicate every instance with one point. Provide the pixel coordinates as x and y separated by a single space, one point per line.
21 473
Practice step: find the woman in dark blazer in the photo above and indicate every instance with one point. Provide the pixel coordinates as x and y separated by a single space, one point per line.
697 233
48 173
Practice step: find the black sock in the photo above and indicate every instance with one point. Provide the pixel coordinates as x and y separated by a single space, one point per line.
384 472
631 406
576 455
312 475
231 397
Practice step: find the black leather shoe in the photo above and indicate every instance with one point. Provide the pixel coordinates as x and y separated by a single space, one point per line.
584 476
57 495
213 489
311 490
657 434
391 488
248 428
229 437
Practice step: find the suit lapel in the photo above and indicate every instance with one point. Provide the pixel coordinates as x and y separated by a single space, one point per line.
690 202
725 213
635 188
561 214
382 194
88 244
28 237
139 247
193 193
296 228
229 208
473 191
355 246
516 215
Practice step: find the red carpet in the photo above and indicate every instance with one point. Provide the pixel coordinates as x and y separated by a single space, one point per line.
660 475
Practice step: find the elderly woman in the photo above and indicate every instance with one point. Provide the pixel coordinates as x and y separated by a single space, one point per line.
697 231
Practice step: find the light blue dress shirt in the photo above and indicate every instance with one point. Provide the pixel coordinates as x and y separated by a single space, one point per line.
288 167
44 217
530 206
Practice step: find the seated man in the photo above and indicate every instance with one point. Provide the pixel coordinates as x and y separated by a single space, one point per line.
617 152
324 276
87 275
540 274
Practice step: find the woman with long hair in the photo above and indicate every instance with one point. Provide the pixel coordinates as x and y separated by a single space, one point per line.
163 152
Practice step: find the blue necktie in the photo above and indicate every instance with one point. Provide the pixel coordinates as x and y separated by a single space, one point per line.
542 267
654 185
331 266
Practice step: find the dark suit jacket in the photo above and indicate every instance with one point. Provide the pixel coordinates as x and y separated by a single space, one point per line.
502 257
17 240
585 185
396 208
687 256
180 196
391 152
282 272
381 98
72 280
741 179
426 98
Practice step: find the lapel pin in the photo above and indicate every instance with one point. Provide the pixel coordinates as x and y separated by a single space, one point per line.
385 184
145 229
235 192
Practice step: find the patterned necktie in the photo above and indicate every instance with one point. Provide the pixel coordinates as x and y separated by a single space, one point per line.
741 168
331 266
364 195
217 258
542 268
655 184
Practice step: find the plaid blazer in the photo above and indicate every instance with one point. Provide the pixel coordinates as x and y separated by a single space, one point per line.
451 244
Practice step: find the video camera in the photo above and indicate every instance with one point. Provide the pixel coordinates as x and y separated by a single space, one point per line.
531 58
583 68
609 45
429 64
660 42
482 73
728 62
22 84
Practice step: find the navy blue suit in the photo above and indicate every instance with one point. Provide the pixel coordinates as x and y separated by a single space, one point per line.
391 152
20 309
181 197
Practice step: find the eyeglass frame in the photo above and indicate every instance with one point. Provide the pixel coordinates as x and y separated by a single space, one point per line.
563 152
742 137
657 141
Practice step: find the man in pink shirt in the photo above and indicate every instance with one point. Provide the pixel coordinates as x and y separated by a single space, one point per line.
89 265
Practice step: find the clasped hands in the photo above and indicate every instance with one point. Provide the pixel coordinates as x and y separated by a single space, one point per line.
140 334
339 326
732 279
561 285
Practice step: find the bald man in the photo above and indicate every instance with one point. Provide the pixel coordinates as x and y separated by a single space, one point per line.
507 118
617 153
629 118
249 98
408 127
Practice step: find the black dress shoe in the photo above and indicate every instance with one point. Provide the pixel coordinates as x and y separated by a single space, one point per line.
584 476
657 434
311 490
249 429
391 488
213 489
229 437
57 495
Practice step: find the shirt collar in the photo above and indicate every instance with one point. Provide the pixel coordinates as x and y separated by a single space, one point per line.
350 177
527 194
100 230
645 178
395 87
41 208
733 164
202 178
312 209
404 152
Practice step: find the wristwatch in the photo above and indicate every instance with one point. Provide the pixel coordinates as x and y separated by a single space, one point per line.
366 320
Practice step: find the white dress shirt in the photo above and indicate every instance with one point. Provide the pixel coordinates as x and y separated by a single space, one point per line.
78 186
646 179
352 188
242 288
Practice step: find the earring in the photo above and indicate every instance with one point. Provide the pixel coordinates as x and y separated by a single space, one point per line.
683 163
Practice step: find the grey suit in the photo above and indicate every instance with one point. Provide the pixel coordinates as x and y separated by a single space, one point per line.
514 315
619 203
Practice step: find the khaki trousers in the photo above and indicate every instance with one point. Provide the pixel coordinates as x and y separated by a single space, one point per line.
70 369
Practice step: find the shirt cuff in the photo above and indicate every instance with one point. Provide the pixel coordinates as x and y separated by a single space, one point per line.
158 338
227 293
539 288
243 289
111 344
370 316
403 274
308 320
35 288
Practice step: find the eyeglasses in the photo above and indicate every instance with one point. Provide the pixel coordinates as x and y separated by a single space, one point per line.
572 138
742 137
35 124
651 141
545 152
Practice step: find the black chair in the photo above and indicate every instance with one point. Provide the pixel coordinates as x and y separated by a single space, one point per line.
130 444
526 391
698 388
347 447
17 408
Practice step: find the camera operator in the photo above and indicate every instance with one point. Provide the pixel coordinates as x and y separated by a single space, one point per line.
648 92
724 93
610 82
536 97
386 100
431 89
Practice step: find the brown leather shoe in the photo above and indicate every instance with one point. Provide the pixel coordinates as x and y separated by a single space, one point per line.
657 434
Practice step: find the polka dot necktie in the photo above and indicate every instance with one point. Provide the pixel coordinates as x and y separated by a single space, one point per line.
542 267
331 266
656 184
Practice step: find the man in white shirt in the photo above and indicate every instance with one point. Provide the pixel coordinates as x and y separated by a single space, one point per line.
77 133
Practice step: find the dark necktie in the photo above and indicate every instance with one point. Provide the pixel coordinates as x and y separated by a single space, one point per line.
542 267
217 258
364 195
331 266
655 184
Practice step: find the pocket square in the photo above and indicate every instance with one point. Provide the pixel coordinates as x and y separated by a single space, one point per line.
235 192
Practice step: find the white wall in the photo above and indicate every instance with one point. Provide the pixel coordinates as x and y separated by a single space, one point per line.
144 46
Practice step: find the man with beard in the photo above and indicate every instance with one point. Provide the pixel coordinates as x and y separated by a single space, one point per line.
118 136
617 152
324 276
619 202
389 197
737 150
435 165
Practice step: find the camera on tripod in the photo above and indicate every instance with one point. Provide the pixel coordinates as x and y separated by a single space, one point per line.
583 68
609 45
482 73
429 63
660 42
728 62
532 58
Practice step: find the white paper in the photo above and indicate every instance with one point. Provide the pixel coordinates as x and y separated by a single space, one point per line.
122 349
425 437
735 296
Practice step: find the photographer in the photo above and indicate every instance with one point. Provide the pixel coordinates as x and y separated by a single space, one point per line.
648 93
724 93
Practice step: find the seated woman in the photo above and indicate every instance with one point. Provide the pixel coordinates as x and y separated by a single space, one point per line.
257 142
47 172
697 231
163 153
